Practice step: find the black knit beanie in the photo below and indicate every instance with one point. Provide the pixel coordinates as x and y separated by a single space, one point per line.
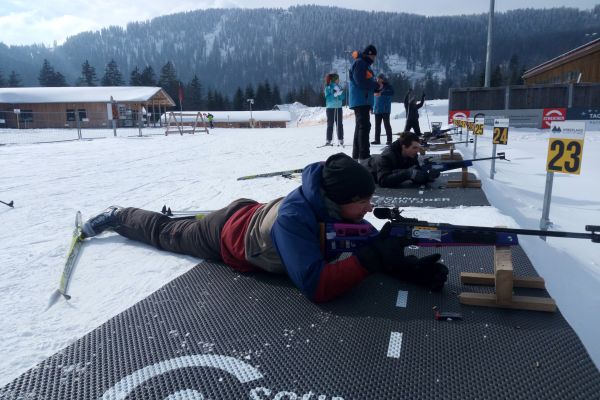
370 50
346 181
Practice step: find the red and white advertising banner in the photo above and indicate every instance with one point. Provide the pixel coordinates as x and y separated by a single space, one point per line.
552 115
458 113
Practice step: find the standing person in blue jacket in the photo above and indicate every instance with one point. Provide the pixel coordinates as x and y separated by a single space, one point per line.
334 100
361 90
285 235
382 109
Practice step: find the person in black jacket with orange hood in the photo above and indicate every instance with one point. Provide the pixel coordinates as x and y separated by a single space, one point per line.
412 112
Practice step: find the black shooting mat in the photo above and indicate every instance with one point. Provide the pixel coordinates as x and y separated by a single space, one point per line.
215 334
433 194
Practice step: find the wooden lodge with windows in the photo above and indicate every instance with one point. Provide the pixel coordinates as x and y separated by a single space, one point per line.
89 107
580 65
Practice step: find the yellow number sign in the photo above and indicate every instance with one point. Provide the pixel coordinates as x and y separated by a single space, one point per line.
478 129
564 155
500 135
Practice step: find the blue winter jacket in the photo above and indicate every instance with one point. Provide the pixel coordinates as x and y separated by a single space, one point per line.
383 102
296 235
362 82
331 101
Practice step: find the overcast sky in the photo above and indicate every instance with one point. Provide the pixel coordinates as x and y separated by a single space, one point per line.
43 21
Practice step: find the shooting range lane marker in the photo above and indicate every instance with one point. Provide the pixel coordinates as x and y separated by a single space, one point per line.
395 345
402 298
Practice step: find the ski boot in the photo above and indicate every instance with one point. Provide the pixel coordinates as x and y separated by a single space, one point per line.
375 142
107 219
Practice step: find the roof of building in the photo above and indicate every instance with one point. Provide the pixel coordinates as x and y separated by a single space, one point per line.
237 116
588 48
85 94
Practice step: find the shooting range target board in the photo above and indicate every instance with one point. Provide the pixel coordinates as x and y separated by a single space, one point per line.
213 333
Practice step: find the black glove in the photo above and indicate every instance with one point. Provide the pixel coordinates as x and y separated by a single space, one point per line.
433 174
383 252
418 176
426 271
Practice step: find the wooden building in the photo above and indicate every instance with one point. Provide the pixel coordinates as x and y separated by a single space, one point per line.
88 107
580 65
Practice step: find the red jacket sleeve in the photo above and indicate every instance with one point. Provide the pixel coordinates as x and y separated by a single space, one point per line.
337 278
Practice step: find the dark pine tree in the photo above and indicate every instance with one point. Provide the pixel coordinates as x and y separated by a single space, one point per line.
210 100
238 100
112 75
47 74
249 94
194 97
148 78
135 79
260 101
169 82
2 80
14 80
59 80
497 79
88 75
276 95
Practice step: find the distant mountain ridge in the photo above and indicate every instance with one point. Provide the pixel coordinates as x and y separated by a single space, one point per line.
228 48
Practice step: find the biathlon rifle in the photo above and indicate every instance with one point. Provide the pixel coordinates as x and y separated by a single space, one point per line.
440 166
343 238
425 144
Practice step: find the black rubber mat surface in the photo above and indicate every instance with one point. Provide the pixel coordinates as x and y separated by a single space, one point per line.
434 194
215 334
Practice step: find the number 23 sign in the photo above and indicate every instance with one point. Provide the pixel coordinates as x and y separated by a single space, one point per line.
565 147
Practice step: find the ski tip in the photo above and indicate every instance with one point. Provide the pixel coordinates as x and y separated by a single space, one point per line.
164 209
54 297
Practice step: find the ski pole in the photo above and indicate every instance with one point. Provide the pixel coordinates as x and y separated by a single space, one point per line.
427 114
11 204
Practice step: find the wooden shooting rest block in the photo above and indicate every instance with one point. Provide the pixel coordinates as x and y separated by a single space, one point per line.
451 156
464 181
504 281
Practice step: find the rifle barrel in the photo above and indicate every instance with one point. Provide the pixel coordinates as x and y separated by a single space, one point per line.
529 232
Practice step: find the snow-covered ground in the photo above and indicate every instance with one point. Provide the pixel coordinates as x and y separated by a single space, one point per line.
50 182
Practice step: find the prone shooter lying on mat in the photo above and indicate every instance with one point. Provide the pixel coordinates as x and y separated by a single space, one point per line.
399 162
286 235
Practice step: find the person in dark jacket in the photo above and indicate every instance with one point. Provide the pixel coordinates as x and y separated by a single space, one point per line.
284 235
399 163
382 109
412 112
362 88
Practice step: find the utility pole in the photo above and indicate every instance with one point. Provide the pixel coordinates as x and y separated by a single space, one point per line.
251 101
488 56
